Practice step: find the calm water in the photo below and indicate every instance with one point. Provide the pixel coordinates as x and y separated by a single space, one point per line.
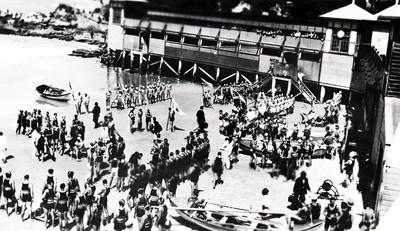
27 62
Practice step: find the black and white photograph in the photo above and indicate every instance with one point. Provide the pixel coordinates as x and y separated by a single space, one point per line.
199 115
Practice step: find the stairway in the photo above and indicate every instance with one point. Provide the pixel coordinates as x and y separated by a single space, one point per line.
390 189
393 88
264 81
301 86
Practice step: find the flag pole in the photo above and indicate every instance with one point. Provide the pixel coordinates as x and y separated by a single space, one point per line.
169 112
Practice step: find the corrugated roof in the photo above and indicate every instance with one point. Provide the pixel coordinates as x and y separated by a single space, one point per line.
352 12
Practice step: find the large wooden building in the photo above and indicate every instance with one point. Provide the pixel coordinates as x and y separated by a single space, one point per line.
217 49
346 49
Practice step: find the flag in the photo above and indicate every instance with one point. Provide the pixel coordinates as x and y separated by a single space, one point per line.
175 107
238 96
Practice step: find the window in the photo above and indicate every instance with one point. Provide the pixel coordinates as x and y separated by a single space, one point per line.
209 43
174 38
272 51
157 35
132 32
191 40
340 44
116 15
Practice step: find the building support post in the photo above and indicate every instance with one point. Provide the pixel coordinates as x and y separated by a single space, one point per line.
217 74
322 95
350 95
160 67
256 80
289 87
140 63
148 64
237 77
194 71
273 86
180 68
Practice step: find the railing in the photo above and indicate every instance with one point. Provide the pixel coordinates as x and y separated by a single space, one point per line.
284 69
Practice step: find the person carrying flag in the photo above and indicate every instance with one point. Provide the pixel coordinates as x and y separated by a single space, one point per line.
171 116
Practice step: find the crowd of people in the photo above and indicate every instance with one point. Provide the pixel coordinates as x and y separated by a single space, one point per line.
128 97
49 134
225 93
271 142
149 184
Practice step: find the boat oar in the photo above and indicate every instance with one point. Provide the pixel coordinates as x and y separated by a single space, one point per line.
226 206
233 211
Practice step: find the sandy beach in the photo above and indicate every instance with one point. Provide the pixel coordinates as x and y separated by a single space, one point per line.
27 62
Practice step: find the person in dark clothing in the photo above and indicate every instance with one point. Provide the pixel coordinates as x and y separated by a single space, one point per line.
218 169
9 192
62 206
147 221
315 209
140 119
345 221
194 178
331 213
156 127
301 187
148 119
24 121
19 122
121 217
122 173
171 117
201 119
173 185
165 150
96 114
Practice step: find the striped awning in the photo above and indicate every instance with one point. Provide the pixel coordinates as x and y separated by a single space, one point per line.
274 41
209 32
173 27
249 37
144 24
158 26
311 44
131 23
191 30
230 35
291 42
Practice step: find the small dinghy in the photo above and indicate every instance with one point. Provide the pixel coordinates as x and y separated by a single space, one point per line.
54 93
